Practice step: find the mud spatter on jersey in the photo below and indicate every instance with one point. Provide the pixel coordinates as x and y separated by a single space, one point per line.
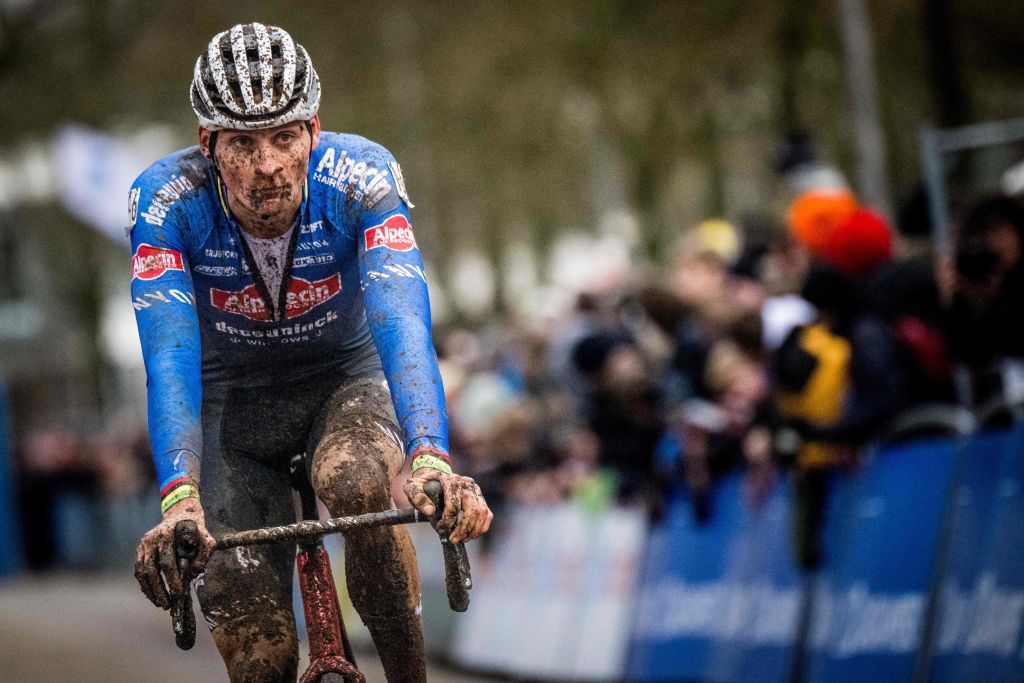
352 280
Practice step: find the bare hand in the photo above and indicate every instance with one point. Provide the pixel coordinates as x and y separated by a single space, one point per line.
155 554
465 510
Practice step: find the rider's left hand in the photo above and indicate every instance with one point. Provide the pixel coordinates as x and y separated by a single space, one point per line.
465 510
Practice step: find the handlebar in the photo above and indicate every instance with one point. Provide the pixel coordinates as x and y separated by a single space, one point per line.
457 577
313 530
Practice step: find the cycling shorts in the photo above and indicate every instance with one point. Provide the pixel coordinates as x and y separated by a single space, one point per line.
249 438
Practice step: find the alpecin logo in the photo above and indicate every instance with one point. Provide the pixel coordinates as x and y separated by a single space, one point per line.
149 262
395 233
302 297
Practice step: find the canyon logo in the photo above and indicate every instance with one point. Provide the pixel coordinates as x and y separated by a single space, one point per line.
302 297
395 233
149 262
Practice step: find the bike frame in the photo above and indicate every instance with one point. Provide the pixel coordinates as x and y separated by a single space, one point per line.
329 648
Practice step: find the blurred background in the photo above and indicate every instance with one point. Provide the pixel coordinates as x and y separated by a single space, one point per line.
726 297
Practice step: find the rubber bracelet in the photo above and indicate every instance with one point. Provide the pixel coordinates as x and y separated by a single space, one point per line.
176 484
173 484
178 494
425 460
430 450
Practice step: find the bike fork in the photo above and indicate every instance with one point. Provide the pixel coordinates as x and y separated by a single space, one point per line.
329 647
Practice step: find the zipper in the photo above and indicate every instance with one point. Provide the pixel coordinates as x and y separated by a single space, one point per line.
277 310
257 277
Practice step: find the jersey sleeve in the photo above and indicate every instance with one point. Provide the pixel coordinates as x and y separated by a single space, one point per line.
398 312
165 312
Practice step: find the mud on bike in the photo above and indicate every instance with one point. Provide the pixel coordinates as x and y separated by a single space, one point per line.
330 654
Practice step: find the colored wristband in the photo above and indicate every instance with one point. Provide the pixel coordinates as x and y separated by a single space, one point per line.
423 459
177 494
432 451
173 484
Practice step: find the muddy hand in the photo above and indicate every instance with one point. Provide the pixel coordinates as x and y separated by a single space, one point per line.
155 554
465 510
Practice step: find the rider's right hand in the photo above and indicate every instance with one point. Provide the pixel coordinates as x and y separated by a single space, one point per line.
155 554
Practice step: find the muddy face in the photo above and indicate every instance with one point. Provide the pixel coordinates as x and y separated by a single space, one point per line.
263 172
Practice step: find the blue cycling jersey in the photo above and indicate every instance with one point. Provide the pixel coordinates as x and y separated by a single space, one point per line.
354 279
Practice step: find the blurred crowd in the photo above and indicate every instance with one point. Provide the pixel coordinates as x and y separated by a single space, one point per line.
769 348
775 346
84 500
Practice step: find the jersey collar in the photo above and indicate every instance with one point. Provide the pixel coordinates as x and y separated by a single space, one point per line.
276 308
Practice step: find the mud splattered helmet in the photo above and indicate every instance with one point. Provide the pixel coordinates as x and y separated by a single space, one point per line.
254 76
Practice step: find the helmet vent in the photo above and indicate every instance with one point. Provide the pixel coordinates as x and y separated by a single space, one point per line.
254 76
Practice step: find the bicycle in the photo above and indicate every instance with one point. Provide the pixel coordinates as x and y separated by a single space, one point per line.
331 659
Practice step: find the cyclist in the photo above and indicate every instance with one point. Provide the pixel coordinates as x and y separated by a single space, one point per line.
282 308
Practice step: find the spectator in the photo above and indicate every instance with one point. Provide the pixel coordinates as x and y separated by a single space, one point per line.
905 294
839 382
984 322
622 409
707 438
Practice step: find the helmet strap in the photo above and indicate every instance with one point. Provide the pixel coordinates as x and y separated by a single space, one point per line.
213 147
309 129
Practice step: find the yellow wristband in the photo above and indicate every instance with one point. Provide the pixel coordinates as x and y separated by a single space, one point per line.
180 493
426 460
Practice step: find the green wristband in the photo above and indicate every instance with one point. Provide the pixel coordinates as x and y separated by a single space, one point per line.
178 494
427 460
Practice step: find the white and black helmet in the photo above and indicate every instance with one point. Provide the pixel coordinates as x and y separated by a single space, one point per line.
254 76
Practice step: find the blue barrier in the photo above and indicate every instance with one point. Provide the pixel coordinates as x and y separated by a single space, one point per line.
922 578
718 601
722 601
880 543
980 615
10 541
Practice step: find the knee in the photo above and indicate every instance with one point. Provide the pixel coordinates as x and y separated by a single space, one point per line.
348 486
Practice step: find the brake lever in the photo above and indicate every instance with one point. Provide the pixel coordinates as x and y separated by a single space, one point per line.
183 619
457 578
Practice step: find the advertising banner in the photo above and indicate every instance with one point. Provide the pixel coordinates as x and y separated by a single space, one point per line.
718 600
881 539
554 600
981 608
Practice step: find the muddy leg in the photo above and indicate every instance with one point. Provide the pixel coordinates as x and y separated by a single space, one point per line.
353 466
246 593
259 647
246 597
